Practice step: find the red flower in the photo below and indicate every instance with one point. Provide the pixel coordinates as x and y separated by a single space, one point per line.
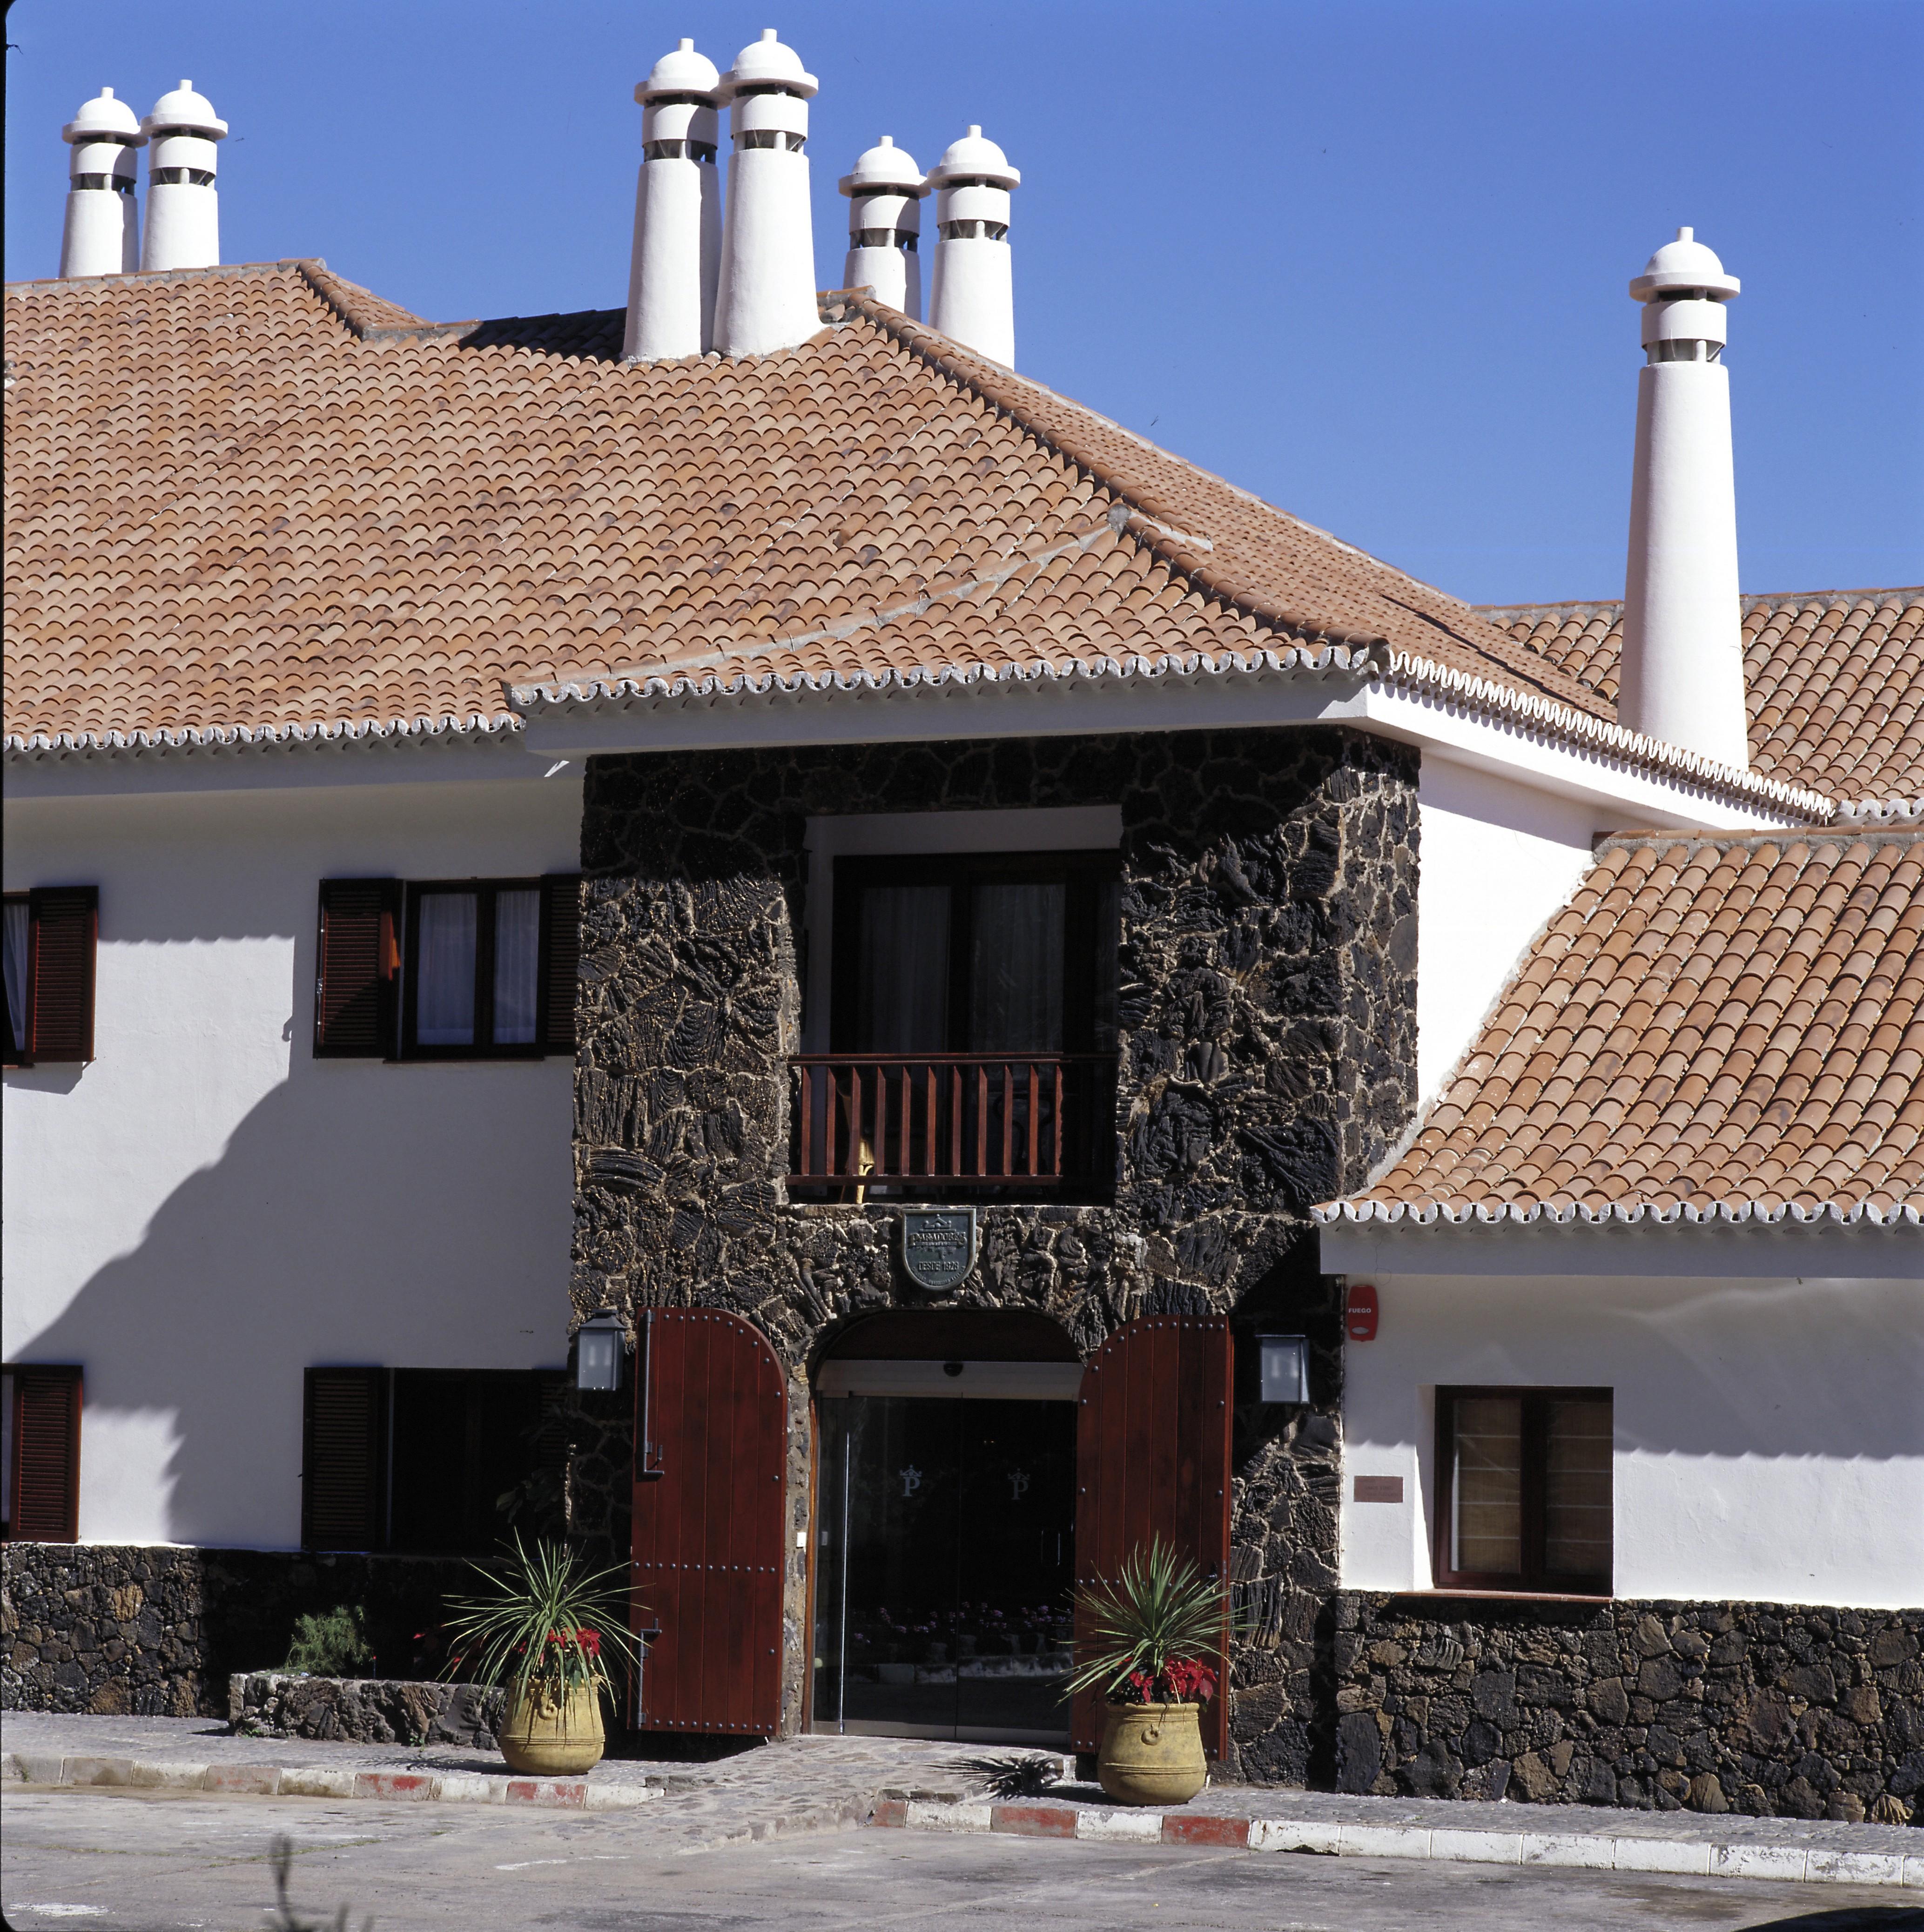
1188 1681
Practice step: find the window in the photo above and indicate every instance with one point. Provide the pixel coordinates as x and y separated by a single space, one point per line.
49 936
40 1446
972 1031
1523 1490
430 1461
976 954
469 969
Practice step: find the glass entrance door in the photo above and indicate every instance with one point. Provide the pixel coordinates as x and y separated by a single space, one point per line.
945 1547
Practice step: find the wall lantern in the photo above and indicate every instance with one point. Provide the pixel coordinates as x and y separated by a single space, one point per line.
600 1343
1285 1367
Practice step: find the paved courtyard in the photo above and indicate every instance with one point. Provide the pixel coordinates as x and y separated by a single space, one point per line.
135 1862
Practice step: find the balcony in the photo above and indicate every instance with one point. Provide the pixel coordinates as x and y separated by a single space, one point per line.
947 1125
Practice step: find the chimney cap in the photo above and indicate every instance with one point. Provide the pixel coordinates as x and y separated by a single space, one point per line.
767 62
972 158
684 71
183 108
104 116
884 168
1684 263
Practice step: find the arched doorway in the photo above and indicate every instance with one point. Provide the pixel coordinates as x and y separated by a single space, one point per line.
945 1514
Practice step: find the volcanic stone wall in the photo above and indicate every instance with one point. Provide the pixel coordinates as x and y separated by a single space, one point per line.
156 1631
1267 1049
1788 1710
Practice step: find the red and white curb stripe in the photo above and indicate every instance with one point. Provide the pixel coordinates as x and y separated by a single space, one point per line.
272 1780
1695 1858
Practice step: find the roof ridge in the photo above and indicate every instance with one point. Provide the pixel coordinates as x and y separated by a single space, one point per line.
1855 832
1747 600
1174 546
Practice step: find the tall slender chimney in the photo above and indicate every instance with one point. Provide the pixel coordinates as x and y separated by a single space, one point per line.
885 189
766 297
102 232
1683 665
183 210
974 297
677 212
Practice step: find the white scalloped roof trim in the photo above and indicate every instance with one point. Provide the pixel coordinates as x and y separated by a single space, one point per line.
1880 811
231 737
1562 1214
1484 696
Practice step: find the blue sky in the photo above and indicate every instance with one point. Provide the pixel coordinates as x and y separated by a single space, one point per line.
1367 260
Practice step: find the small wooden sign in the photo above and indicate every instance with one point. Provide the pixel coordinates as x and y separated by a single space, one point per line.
1378 1490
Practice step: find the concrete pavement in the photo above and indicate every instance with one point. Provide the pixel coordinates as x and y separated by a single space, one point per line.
130 1862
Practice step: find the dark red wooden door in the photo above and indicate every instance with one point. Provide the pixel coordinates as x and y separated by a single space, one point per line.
711 1435
1152 1459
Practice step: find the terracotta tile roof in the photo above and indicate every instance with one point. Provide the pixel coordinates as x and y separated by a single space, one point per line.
261 500
1835 680
1725 1028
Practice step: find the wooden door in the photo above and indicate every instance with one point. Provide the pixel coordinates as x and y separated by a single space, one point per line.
711 1437
1152 1459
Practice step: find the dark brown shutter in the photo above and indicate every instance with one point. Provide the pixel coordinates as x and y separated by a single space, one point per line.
1152 1459
343 1465
711 1433
560 958
357 975
46 1454
65 926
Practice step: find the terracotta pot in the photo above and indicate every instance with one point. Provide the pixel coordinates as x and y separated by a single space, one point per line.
1152 1753
542 1737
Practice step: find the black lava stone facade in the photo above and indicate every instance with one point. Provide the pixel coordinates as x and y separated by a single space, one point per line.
1268 1050
157 1631
1776 1710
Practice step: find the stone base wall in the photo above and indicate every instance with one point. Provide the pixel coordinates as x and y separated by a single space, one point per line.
155 1630
364 1710
1775 1710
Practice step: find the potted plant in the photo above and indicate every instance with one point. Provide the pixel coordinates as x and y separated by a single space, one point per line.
1146 1639
546 1632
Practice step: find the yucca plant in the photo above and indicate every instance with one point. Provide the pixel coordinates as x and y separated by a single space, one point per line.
547 1629
1145 1638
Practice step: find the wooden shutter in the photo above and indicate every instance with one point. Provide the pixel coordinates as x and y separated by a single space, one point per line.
343 1462
560 958
357 974
64 927
711 1456
46 1454
1152 1459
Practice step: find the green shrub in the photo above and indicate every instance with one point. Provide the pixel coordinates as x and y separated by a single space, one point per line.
330 1643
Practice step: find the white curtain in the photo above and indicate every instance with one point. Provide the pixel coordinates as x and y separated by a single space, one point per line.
1016 968
17 939
516 956
444 987
903 997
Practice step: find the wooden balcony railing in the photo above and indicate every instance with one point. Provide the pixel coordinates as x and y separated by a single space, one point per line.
932 1123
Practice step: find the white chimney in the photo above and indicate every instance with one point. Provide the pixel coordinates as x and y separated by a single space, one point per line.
1683 666
677 212
103 232
885 190
183 210
767 297
974 297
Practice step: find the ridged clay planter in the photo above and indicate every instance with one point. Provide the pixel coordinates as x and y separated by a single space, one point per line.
542 1737
1152 1753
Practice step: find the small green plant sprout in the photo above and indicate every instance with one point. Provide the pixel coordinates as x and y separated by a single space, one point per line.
330 1643
1146 1635
544 1628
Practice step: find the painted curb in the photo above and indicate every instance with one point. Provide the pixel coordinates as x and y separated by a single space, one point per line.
269 1781
1698 1858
